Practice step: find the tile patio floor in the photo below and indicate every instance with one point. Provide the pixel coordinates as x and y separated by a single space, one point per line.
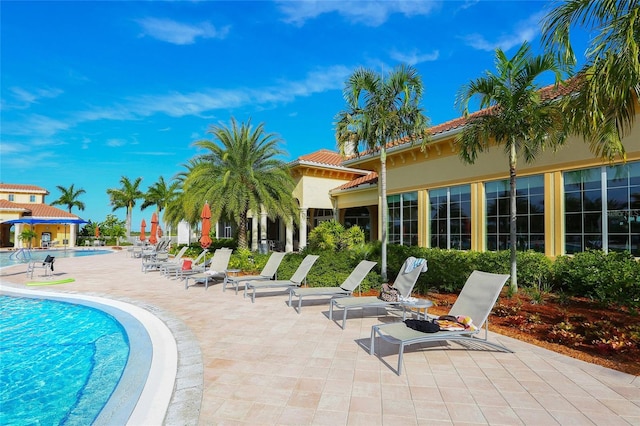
265 364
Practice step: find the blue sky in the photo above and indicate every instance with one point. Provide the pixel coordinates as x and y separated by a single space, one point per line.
92 91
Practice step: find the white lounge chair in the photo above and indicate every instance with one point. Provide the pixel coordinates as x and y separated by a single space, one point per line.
269 271
170 262
296 280
404 283
476 300
177 268
217 267
348 286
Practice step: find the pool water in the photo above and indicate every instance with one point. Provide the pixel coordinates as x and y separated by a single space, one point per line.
6 258
59 362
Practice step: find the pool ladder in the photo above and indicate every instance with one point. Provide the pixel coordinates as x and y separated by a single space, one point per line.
22 254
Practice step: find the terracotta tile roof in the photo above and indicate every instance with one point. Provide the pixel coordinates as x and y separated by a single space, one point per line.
37 210
547 92
18 187
323 156
8 205
371 178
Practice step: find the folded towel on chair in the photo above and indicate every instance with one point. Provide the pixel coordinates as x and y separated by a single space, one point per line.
416 264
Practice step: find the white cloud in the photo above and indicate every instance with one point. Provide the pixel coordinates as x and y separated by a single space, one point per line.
180 33
414 57
24 98
526 30
367 12
114 143
177 104
197 103
35 125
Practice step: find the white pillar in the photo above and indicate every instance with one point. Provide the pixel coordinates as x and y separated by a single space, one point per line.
72 235
263 226
288 245
302 243
17 242
254 232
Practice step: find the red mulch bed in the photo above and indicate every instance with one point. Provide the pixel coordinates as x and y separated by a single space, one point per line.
576 327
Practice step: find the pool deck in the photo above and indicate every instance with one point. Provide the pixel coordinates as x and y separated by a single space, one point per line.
264 363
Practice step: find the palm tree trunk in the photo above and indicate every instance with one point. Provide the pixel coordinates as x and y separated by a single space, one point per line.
129 223
385 213
512 220
242 232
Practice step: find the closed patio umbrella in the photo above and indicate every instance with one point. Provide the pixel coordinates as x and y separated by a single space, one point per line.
205 241
160 233
153 238
142 226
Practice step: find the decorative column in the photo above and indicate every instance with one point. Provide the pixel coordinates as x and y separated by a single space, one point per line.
17 230
263 226
302 243
288 245
254 232
72 235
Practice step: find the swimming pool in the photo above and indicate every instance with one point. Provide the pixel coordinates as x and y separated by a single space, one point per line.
6 258
66 362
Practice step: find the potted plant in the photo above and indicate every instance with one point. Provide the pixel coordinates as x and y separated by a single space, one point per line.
27 236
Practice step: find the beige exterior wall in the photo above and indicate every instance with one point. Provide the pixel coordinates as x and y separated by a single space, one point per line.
313 191
21 197
410 169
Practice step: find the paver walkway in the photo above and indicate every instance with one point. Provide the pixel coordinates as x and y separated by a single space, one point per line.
263 363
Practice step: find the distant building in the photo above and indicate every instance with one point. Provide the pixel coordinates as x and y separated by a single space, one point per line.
27 203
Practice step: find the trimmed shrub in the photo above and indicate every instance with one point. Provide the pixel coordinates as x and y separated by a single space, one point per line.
331 236
612 278
330 270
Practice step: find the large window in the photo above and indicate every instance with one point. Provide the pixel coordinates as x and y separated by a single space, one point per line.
529 214
322 215
359 216
403 219
451 217
603 192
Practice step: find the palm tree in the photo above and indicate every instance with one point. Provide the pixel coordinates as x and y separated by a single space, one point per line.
603 108
240 173
160 195
177 209
379 111
69 197
517 117
126 197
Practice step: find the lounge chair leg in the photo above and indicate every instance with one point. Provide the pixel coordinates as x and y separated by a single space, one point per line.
331 309
344 317
373 339
290 296
300 304
400 358
253 296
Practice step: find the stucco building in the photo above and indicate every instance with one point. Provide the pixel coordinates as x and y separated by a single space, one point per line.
26 203
567 200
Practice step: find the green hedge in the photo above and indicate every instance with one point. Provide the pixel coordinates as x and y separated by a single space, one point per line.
612 279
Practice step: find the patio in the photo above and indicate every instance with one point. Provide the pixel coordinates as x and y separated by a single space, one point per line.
264 363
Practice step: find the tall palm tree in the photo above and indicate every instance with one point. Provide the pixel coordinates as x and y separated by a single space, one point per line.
160 195
126 197
603 109
517 117
381 110
179 208
240 172
69 197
